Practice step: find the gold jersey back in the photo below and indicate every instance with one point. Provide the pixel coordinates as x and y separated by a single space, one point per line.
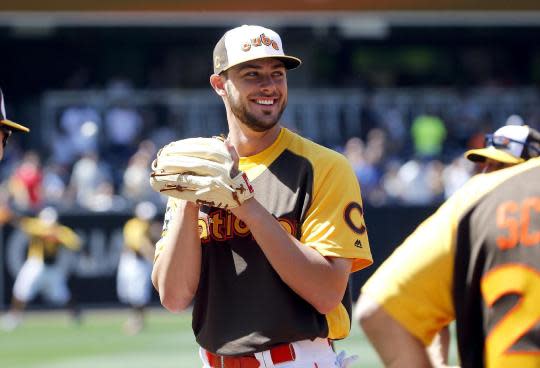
497 276
476 260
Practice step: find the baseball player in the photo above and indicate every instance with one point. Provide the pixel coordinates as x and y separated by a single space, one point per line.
7 126
475 261
41 272
133 283
268 279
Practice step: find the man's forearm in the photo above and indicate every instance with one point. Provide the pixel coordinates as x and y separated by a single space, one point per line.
320 281
177 269
396 347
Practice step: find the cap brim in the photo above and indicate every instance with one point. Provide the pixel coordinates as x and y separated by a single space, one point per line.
481 154
290 62
15 126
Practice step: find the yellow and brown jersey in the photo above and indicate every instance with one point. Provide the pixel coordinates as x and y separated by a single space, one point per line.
46 240
476 260
242 305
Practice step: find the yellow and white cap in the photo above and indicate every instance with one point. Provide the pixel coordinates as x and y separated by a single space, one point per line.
4 121
249 42
506 145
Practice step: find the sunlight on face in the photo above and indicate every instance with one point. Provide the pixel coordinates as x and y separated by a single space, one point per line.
257 93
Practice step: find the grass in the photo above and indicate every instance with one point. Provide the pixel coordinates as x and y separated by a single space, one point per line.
50 340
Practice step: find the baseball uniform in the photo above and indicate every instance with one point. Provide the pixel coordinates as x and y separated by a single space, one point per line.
242 306
476 260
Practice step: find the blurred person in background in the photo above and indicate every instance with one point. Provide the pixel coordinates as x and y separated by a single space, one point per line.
123 123
42 272
135 186
25 184
133 281
55 178
434 277
456 174
88 173
428 133
80 127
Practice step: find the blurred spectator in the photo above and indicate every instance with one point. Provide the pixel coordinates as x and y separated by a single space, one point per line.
133 282
41 272
80 128
392 121
25 184
391 182
55 178
123 122
366 172
428 133
514 120
87 175
456 174
415 187
104 199
135 185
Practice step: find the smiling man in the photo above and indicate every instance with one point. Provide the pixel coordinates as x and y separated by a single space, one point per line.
268 279
7 126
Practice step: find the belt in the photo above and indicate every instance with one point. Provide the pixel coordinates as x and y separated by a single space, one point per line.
280 354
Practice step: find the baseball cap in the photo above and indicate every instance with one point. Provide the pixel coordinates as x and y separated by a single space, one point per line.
249 42
3 119
506 145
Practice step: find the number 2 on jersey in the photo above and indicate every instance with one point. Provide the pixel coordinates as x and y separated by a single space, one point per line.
523 281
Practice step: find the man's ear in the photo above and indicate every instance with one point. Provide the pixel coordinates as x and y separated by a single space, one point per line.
218 84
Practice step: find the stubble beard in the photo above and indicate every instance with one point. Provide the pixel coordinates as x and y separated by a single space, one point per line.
241 112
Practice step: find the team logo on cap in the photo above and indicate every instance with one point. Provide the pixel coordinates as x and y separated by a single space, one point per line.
217 62
258 41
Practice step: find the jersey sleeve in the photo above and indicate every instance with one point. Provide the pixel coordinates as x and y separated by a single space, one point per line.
31 226
334 224
68 238
172 206
414 284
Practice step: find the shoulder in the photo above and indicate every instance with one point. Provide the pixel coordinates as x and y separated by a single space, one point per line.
318 155
481 185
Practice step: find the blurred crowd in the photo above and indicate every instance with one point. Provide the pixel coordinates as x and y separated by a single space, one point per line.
100 161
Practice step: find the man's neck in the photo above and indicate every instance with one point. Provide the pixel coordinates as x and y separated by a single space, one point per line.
249 142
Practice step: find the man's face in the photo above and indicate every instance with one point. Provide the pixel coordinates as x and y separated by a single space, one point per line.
257 92
491 165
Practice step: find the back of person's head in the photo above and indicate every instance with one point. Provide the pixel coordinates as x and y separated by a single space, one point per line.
48 215
145 211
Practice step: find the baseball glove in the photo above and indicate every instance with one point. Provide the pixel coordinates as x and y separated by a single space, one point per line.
200 170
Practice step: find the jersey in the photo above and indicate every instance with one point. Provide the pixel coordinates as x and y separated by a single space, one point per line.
46 240
241 305
476 260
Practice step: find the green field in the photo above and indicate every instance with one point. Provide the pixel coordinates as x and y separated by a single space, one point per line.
50 340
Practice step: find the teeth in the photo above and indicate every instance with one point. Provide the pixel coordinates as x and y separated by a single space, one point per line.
265 102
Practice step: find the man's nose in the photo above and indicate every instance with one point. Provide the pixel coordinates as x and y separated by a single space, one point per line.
268 83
